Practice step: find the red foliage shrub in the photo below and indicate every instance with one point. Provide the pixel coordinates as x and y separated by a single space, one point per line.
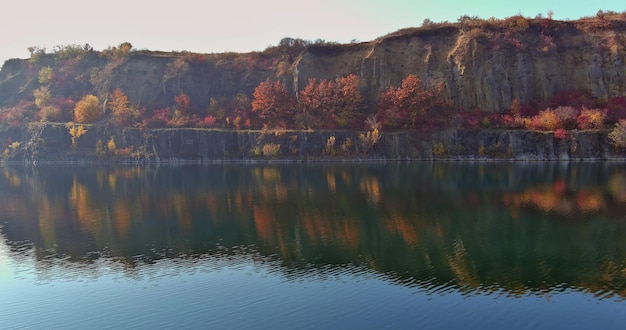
560 134
183 104
20 114
573 98
209 121
471 119
163 115
529 110
239 119
513 122
615 109
566 117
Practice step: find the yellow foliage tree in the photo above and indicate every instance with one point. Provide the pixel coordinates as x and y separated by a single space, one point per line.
88 109
111 146
75 132
618 135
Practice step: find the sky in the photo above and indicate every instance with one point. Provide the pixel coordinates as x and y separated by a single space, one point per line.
243 25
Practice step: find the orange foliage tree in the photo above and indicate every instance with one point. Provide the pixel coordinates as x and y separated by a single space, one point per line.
591 118
406 106
183 112
87 110
331 104
183 103
121 112
273 104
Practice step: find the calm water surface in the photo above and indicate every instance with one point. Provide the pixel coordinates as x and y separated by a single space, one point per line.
426 245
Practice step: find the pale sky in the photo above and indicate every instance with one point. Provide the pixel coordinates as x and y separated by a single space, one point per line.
243 25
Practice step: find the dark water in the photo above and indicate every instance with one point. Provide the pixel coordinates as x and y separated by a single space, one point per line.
426 245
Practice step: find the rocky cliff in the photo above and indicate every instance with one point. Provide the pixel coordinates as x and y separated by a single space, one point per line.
52 143
483 64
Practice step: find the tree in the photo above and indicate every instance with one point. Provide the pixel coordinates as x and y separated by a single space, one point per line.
87 110
125 47
312 105
183 112
183 104
75 132
350 101
121 112
407 106
47 109
412 98
330 104
273 104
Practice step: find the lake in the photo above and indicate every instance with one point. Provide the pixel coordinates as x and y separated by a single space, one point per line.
333 246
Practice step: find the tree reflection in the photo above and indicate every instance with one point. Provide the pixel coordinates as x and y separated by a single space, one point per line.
508 226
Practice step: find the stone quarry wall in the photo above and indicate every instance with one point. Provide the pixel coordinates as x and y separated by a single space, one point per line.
52 143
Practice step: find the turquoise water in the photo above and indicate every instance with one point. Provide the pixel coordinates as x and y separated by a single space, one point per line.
399 245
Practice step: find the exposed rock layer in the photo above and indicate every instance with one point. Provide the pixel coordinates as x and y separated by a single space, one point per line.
52 143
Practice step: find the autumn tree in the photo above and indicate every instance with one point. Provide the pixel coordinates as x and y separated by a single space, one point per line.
75 132
239 117
216 113
48 110
87 110
183 103
42 96
311 100
618 135
120 110
330 104
183 111
350 101
406 106
273 104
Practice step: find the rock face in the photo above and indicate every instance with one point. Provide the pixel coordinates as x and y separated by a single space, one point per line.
483 64
52 143
485 67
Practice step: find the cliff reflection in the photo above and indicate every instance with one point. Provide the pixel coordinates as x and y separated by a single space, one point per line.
471 227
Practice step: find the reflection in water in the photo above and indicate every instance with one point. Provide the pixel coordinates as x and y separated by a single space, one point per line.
518 228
